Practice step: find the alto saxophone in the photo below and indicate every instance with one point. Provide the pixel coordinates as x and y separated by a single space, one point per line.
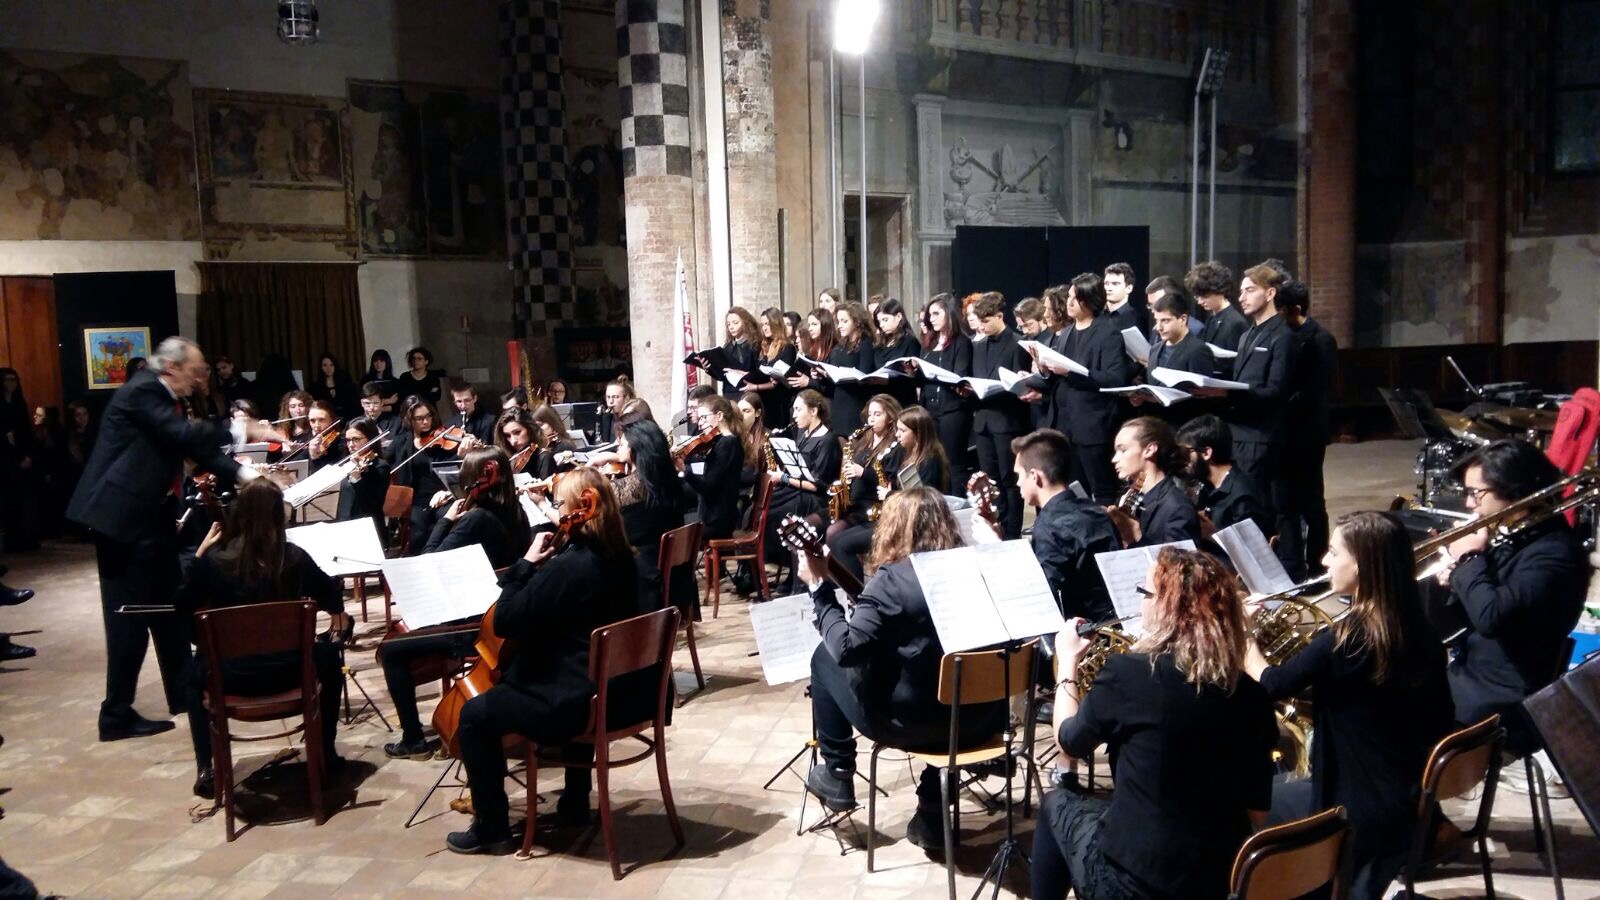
883 480
839 491
770 457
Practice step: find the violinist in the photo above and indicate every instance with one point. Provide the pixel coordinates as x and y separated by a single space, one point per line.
1191 740
1155 509
717 481
1377 671
411 465
327 443
294 412
488 515
249 560
477 423
552 439
362 493
517 437
549 603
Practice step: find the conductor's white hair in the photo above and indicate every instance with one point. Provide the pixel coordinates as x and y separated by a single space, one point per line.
171 352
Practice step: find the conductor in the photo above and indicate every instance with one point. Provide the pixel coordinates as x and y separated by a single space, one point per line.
129 497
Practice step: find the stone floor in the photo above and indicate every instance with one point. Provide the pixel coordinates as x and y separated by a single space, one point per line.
117 820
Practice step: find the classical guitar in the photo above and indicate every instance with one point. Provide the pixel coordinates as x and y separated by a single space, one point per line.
982 494
803 537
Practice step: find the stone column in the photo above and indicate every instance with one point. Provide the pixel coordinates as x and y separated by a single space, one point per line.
752 152
657 185
538 233
1328 190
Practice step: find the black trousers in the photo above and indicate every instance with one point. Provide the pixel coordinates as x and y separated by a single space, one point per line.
485 721
398 656
1067 855
849 545
259 676
1307 497
423 518
1264 463
143 572
1091 466
996 460
955 436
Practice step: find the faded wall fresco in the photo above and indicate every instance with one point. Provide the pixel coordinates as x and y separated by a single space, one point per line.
1552 289
1411 294
96 148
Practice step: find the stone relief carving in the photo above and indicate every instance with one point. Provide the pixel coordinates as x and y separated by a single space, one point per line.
1012 188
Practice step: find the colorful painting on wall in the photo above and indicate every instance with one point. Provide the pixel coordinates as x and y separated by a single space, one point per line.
96 148
593 355
427 170
108 351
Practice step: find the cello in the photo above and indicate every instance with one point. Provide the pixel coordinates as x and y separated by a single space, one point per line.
491 648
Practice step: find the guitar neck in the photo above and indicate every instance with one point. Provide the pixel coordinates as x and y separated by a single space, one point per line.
837 573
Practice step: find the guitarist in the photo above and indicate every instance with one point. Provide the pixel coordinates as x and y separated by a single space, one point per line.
877 671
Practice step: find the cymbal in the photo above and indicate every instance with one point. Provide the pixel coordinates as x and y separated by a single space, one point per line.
1521 418
1470 429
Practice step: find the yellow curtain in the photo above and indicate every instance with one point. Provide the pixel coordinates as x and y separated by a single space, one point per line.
301 310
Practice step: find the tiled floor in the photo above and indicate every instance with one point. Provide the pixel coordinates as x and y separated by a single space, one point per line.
117 820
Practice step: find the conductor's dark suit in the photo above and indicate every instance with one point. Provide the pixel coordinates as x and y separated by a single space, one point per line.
126 497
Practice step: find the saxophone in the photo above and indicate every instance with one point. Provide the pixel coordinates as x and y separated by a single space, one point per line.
883 480
770 458
839 491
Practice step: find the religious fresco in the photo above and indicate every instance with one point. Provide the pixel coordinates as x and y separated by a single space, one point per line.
462 169
273 166
594 177
386 142
96 148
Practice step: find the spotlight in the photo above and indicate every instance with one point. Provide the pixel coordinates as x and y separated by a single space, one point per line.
297 22
1212 68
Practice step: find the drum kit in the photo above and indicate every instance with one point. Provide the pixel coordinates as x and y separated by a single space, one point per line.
1476 426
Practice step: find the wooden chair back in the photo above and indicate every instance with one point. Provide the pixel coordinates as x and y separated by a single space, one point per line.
255 628
1295 858
1463 760
760 502
397 502
678 548
981 676
629 646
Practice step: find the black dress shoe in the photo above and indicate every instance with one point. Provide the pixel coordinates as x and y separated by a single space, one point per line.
205 784
404 749
474 841
10 652
14 596
138 726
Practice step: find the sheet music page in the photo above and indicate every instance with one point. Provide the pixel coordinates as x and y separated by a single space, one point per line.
778 369
964 523
340 548
1124 570
963 613
442 587
985 387
791 459
1175 377
1011 379
1137 345
1221 352
1164 395
786 637
1252 556
936 373
1019 589
733 377
325 479
1051 357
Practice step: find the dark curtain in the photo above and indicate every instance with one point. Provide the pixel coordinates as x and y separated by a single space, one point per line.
301 310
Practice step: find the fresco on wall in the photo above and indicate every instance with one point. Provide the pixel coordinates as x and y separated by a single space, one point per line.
274 166
1411 294
594 176
96 148
1550 289
461 168
386 143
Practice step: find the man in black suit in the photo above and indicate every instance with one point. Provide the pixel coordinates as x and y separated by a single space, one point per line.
999 419
129 498
470 415
1227 495
1316 354
1210 283
1121 306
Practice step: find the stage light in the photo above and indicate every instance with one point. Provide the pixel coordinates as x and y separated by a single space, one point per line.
1212 68
853 21
297 22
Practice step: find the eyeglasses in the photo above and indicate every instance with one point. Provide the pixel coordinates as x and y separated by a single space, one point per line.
1476 494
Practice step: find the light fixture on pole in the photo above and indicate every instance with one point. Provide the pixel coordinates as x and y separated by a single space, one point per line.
1212 69
853 21
297 22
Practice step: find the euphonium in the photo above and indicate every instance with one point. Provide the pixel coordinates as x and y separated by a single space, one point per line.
883 480
839 491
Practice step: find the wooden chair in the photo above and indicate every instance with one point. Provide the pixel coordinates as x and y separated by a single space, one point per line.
397 505
238 631
1294 859
744 545
618 649
678 548
965 679
1458 764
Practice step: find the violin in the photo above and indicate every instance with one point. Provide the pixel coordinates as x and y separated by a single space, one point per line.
519 460
689 446
492 649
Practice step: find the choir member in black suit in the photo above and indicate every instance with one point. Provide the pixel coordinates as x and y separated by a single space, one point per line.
1147 455
129 497
380 371
1211 284
1316 356
1191 741
1178 347
362 493
419 380
998 420
1517 600
889 636
471 417
1123 304
250 560
1087 417
775 348
489 515
1378 671
410 465
549 604
857 350
231 382
947 347
897 340
716 482
742 343
1227 495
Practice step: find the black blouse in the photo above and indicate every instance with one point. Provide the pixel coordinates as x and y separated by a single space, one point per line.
718 485
480 526
955 357
1167 515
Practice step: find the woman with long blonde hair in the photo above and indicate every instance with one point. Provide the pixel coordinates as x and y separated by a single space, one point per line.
1190 737
742 342
890 635
1377 671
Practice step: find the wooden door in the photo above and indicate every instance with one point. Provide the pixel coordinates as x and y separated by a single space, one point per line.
31 344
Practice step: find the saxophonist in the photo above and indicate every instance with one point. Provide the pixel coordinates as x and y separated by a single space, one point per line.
1380 699
913 457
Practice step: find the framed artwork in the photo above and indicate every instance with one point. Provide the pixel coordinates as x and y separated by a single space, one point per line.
106 352
593 355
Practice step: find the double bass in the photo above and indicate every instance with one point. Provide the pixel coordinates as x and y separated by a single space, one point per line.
492 649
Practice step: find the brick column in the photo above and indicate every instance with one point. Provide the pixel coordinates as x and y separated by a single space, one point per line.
752 152
538 233
1328 242
657 186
